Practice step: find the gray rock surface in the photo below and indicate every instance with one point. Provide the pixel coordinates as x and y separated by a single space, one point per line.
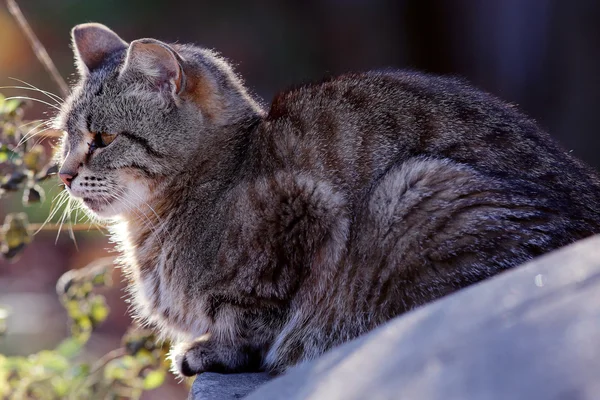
211 386
530 333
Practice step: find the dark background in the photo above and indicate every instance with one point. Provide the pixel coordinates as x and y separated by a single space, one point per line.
542 55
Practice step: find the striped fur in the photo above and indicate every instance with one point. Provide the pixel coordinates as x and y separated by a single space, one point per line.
260 239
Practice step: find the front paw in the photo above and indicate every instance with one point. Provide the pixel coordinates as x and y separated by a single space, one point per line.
189 359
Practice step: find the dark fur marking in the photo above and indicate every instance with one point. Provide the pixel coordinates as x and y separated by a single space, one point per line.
143 143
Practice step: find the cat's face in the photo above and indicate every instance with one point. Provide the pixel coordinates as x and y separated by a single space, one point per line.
121 142
136 119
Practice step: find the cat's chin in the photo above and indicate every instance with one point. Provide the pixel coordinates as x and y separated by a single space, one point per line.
102 208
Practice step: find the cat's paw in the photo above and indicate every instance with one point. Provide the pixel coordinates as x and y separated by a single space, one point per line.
189 359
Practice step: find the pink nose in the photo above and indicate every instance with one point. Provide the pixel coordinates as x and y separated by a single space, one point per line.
67 178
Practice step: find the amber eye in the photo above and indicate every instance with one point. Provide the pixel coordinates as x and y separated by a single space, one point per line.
103 139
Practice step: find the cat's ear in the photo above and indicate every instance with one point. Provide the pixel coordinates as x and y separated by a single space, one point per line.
157 62
92 44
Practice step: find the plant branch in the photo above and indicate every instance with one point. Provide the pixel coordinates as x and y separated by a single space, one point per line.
108 357
37 47
97 367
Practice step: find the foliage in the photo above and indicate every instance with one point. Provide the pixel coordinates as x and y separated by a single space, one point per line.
63 372
23 167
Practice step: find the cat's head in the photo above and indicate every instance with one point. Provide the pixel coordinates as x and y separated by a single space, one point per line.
140 114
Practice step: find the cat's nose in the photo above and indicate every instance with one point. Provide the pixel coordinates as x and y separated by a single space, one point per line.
67 178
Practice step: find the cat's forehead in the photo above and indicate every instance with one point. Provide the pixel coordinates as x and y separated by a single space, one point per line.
103 100
87 96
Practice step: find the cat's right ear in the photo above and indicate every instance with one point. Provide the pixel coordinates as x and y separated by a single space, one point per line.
157 62
92 44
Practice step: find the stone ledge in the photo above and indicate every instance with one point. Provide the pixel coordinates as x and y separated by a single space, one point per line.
530 333
211 386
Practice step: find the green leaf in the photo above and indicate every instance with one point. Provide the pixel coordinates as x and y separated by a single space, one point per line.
69 348
6 153
60 386
81 329
99 309
113 372
80 371
15 234
11 105
73 308
51 361
145 357
16 363
35 158
154 379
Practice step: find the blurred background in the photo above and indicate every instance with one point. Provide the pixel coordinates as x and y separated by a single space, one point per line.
542 55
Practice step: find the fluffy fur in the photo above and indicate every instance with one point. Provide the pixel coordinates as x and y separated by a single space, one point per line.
258 239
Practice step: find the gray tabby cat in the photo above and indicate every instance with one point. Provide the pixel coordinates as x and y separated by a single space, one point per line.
259 239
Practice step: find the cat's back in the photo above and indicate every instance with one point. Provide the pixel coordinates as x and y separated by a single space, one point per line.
354 127
377 92
399 114
353 124
442 184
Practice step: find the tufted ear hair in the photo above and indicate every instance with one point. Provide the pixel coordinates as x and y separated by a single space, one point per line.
157 62
92 44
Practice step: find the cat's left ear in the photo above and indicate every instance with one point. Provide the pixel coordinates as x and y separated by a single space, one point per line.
93 43
157 62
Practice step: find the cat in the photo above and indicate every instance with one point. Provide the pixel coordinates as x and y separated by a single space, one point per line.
256 240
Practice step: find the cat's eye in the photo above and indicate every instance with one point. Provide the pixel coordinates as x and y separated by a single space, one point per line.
103 139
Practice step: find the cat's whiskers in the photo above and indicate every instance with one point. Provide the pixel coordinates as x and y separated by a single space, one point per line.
33 99
77 209
109 203
59 100
71 231
57 203
29 134
66 216
94 221
66 211
39 134
35 121
55 104
52 189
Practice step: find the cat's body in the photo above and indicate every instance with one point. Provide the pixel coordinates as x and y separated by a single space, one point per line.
278 235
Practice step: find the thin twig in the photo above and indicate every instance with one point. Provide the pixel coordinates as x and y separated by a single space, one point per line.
97 367
108 357
38 48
